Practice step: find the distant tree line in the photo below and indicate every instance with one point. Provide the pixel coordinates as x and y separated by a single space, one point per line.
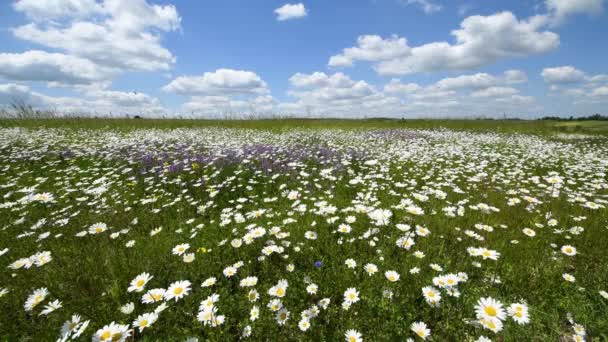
594 117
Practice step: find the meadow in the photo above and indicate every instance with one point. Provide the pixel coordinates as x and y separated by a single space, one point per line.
303 230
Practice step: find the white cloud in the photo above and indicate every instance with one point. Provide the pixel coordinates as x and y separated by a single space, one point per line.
337 95
559 10
224 93
563 74
576 85
52 67
219 82
320 79
482 80
372 48
101 44
396 87
481 40
57 9
116 34
336 87
515 77
473 95
433 95
11 92
599 78
495 92
124 99
600 91
135 16
427 6
290 11
228 108
104 102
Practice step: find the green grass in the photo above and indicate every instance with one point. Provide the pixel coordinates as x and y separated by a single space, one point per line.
472 162
506 126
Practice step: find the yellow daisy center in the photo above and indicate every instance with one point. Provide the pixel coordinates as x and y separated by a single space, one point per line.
490 311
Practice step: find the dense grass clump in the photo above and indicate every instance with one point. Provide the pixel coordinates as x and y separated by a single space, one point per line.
219 231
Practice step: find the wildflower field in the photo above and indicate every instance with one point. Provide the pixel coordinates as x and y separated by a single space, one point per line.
224 233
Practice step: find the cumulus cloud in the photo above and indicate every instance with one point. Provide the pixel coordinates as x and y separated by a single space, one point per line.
473 95
482 80
427 6
372 48
563 74
495 92
329 88
576 84
600 91
320 80
92 42
480 40
290 11
560 10
337 95
219 82
515 77
12 92
396 87
227 107
224 93
113 35
123 99
37 65
103 45
104 102
57 9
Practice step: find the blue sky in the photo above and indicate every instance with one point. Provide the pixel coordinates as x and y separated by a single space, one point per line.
390 58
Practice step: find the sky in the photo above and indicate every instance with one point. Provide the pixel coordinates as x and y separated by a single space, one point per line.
316 58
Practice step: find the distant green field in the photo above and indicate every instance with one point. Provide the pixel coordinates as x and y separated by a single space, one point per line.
521 126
